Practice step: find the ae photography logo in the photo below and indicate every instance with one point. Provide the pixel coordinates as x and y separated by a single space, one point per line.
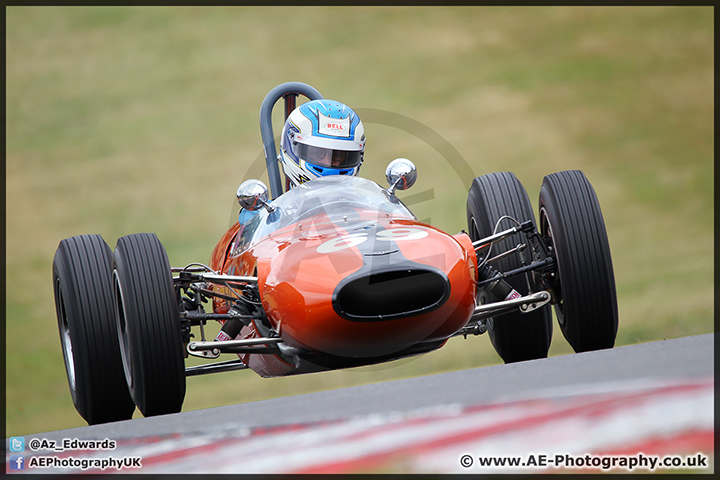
16 445
604 463
38 457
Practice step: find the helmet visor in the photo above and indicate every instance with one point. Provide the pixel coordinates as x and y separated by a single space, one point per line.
326 157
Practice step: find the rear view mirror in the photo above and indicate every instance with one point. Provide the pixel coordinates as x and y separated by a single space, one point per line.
253 195
401 174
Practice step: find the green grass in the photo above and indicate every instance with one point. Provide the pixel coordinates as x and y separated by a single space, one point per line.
122 120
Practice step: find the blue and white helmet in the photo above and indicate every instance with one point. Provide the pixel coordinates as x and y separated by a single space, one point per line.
319 138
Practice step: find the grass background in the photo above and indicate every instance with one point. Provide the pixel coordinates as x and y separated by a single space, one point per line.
124 120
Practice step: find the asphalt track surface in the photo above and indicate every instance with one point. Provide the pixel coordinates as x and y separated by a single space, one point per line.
668 362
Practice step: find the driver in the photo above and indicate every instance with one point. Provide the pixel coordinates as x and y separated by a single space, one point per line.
319 138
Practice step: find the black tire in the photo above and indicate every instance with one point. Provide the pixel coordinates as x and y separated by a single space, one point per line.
570 216
515 336
82 282
148 324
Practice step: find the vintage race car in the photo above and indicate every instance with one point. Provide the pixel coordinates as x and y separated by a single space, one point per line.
334 273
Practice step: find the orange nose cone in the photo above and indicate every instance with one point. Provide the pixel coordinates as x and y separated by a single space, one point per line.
371 300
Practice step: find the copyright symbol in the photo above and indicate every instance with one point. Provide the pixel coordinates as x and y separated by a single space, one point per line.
466 461
34 444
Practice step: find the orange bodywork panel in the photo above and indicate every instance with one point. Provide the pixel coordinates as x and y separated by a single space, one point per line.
347 275
300 267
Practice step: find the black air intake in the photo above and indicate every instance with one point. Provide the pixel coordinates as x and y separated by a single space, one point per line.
390 294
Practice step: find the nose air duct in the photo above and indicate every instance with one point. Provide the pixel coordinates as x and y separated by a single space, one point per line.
398 291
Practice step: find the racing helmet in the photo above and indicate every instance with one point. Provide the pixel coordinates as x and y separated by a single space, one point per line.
319 138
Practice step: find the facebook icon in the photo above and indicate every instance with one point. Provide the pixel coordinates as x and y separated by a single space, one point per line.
17 462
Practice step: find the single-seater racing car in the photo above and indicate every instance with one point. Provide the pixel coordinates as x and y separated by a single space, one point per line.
334 273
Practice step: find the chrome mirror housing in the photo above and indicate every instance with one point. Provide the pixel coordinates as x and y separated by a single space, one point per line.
401 174
253 195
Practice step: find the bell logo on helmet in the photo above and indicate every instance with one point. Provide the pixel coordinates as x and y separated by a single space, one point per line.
336 127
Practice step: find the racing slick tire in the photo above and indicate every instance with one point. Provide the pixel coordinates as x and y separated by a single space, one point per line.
570 217
82 284
515 336
148 324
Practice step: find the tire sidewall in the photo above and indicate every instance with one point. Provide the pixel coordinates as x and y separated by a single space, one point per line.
64 309
126 333
547 218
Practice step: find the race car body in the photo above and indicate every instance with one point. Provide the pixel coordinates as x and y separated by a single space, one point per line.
345 270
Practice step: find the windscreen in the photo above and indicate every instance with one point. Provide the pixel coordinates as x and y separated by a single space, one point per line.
333 195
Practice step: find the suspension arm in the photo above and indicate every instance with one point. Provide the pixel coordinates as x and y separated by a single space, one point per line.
228 366
196 316
526 304
533 266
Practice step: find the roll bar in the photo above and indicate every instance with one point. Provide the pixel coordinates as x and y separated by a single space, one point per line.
289 92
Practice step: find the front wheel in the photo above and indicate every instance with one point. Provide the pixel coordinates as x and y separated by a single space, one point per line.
82 283
148 323
515 336
570 217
